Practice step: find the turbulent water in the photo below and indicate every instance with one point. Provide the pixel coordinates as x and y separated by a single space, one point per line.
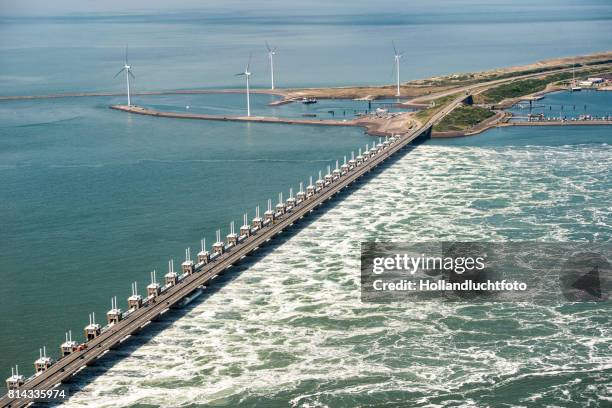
93 199
288 328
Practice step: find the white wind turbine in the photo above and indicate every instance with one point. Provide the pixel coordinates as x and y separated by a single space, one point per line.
247 74
271 54
128 71
397 55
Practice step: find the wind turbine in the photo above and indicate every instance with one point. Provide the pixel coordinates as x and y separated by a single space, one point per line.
271 53
247 74
128 71
397 55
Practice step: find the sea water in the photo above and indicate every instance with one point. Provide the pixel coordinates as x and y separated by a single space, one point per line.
92 199
234 104
567 105
288 327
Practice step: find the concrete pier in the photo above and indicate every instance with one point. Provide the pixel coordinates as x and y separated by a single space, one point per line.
291 200
218 246
171 277
245 230
269 215
281 207
258 222
594 122
69 346
320 183
43 362
92 330
232 237
311 189
203 255
16 380
153 288
301 195
113 316
135 301
187 265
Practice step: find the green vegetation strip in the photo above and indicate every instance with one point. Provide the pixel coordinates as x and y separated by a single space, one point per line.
425 114
521 88
462 118
528 86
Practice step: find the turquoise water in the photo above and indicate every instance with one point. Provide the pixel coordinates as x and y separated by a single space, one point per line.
235 104
92 199
288 328
597 137
568 105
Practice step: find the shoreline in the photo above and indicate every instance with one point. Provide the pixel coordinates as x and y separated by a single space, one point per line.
141 93
411 91
594 122
372 126
457 134
424 94
376 127
197 275
502 119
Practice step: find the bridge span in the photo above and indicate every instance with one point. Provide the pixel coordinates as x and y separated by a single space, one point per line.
201 274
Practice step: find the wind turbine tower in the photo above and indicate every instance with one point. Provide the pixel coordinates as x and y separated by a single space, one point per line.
128 72
271 54
398 56
247 74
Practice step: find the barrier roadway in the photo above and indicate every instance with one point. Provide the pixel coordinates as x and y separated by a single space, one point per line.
68 366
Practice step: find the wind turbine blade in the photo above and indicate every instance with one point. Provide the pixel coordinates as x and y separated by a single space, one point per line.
132 75
268 47
249 64
120 71
240 74
394 48
126 55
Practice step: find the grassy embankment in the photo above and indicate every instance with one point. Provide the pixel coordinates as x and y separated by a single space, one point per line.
373 92
520 88
524 87
462 118
475 77
423 87
465 117
426 114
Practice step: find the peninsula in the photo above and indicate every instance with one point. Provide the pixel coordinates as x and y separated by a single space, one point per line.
487 94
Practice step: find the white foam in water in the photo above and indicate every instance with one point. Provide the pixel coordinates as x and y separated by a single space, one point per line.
291 330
